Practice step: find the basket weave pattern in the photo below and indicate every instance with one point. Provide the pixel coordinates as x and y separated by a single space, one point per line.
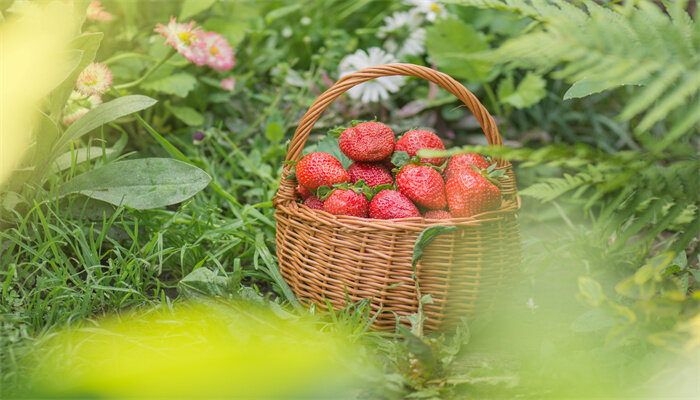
323 256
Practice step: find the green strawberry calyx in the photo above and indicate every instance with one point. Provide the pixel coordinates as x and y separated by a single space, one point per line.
360 187
335 132
400 159
491 173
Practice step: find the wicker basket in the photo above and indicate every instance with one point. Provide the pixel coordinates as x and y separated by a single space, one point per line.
323 256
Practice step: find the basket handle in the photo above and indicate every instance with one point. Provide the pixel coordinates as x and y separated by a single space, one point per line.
348 81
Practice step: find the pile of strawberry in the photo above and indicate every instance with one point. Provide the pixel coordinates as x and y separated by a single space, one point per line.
388 180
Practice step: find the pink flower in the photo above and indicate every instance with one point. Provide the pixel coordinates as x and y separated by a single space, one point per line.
218 52
228 84
96 13
95 79
185 38
79 105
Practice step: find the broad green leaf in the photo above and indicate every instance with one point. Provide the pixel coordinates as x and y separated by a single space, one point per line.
329 145
400 158
529 91
592 320
425 238
423 353
451 43
188 115
619 335
141 184
65 160
591 291
88 43
9 201
636 289
101 115
203 281
587 87
177 84
274 132
194 7
45 134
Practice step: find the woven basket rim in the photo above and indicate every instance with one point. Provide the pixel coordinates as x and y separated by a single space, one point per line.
506 209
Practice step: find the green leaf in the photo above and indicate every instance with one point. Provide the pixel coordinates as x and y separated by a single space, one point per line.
591 291
87 43
45 134
178 84
329 145
592 320
426 237
194 7
420 350
188 115
99 116
529 92
141 184
400 158
451 43
323 192
274 132
65 160
587 87
203 281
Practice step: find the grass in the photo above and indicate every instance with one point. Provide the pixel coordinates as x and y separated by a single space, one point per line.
70 262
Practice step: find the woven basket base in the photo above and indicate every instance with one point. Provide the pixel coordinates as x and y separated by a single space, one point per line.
464 271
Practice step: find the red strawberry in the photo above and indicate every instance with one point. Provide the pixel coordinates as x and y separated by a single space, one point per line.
367 141
320 169
470 194
423 185
437 214
372 174
304 192
462 162
346 202
413 141
314 203
391 204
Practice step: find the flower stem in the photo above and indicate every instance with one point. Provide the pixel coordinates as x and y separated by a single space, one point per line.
148 73
123 56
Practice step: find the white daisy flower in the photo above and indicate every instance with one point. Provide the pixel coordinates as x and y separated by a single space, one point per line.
431 9
376 89
403 33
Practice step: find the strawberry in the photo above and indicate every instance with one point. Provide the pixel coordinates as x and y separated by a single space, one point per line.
303 192
367 141
372 174
423 185
346 202
391 204
320 169
413 141
314 202
437 214
470 194
462 162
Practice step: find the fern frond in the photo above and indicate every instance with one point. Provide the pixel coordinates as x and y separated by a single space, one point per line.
513 6
600 48
553 188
